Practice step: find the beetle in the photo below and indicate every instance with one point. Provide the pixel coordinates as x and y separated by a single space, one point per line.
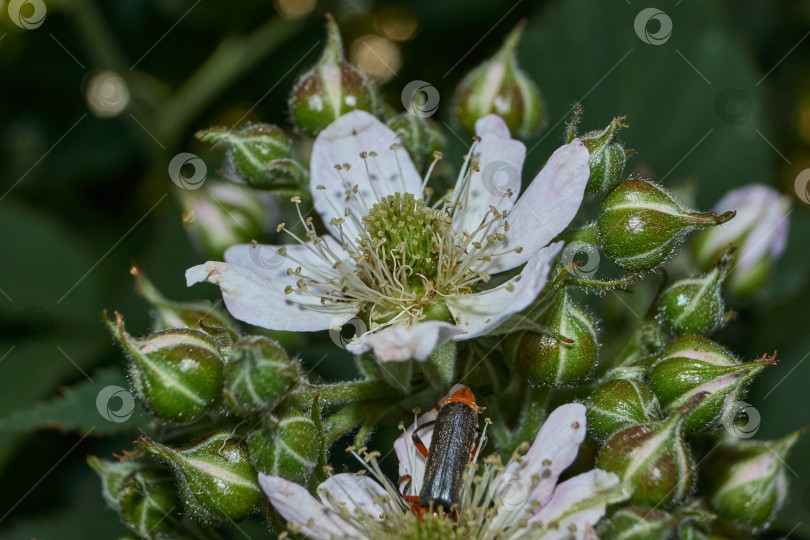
452 448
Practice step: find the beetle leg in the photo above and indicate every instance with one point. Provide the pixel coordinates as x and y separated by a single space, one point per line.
404 483
417 441
479 445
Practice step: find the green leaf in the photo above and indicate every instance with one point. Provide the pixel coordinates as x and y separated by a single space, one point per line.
315 414
82 408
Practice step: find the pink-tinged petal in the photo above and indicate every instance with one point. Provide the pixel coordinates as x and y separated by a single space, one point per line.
411 462
478 313
500 163
546 207
296 505
261 301
354 493
579 503
342 142
403 342
555 448
266 261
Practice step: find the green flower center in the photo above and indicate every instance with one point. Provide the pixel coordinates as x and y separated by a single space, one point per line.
405 234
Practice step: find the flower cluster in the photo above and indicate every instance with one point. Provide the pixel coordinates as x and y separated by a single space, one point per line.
453 279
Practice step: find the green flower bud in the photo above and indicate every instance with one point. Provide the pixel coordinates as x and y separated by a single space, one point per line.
608 157
641 523
544 357
219 216
653 460
144 497
422 137
286 447
695 305
499 86
618 404
177 374
258 374
217 483
640 224
746 480
694 365
199 315
330 88
259 155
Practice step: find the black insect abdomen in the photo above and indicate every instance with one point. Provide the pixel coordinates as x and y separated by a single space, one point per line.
448 456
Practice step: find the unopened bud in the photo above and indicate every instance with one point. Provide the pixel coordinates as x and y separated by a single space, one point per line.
545 357
422 138
746 480
330 88
499 86
177 374
260 155
618 404
144 497
693 365
258 374
760 233
653 460
221 215
287 447
608 157
640 224
217 483
695 305
641 523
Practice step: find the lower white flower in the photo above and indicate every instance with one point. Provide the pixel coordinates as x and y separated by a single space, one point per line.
411 268
520 500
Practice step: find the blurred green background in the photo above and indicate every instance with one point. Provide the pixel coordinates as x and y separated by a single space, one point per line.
725 101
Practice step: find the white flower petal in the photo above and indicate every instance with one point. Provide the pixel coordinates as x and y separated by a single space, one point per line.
342 142
546 207
399 343
579 503
479 313
500 163
405 450
261 301
265 261
354 493
296 505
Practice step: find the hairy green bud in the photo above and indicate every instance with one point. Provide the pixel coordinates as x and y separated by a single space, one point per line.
422 138
144 497
694 365
620 403
287 447
608 156
499 86
653 460
544 357
330 88
640 224
217 483
695 305
641 523
258 374
177 374
746 480
260 155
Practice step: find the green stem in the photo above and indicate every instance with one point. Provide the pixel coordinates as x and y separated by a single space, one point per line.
532 416
342 393
344 421
231 59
